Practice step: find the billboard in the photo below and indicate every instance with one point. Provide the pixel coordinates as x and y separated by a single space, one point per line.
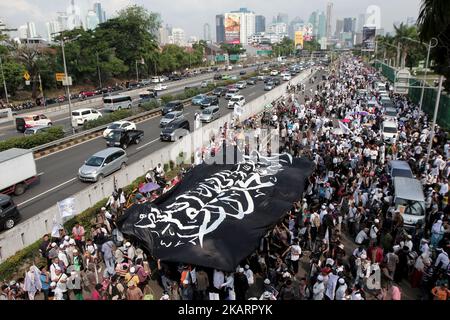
368 41
232 28
298 40
308 32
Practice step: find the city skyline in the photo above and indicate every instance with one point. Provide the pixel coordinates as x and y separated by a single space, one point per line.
193 18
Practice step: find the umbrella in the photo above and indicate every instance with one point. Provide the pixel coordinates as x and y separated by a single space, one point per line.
346 120
149 187
363 113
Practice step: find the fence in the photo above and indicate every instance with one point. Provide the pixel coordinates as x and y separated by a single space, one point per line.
429 97
32 229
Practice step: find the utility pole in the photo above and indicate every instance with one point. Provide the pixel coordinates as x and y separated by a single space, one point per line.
67 82
41 89
137 72
99 73
4 81
436 108
398 55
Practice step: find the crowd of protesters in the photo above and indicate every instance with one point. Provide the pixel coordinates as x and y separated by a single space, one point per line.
343 240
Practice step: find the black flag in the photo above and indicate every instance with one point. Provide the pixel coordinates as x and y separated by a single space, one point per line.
218 213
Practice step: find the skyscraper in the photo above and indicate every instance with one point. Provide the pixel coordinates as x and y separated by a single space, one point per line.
73 16
329 19
322 25
339 27
349 24
314 20
52 27
247 24
296 24
361 22
260 23
92 20
178 36
206 32
101 14
282 18
31 30
220 28
23 31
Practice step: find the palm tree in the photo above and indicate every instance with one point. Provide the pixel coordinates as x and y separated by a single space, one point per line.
434 21
403 31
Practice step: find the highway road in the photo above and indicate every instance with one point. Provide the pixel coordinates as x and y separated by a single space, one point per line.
58 171
62 118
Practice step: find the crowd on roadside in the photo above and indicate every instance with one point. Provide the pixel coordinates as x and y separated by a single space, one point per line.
345 239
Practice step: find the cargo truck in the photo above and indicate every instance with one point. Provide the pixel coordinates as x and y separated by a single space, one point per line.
18 171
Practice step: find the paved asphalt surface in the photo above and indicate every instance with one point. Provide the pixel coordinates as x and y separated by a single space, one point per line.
61 118
58 171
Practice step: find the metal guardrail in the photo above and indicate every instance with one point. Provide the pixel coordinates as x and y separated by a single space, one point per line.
72 140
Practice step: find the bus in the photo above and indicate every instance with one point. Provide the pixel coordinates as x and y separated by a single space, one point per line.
114 103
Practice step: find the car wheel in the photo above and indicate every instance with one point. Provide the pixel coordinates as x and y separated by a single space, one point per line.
19 189
9 224
85 121
49 124
123 166
100 178
138 141
124 146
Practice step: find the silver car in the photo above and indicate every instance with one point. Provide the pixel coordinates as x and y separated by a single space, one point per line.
210 114
102 163
168 118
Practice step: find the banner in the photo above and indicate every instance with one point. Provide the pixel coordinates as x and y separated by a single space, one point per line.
368 43
67 208
298 40
308 32
232 28
218 213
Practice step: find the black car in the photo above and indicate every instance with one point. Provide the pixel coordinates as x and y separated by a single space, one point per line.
9 214
268 79
242 72
219 91
175 130
276 81
217 76
176 105
174 77
123 138
252 80
209 101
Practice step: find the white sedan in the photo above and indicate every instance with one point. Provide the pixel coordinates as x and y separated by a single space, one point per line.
160 87
274 73
126 125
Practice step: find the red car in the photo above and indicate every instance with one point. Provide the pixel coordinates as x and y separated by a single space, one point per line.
86 94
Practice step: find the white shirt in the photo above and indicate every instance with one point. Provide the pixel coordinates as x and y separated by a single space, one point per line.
442 257
58 294
249 274
218 279
361 237
318 291
296 251
373 232
340 292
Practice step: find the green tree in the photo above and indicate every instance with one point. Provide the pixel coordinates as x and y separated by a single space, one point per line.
403 31
284 48
131 34
434 21
13 72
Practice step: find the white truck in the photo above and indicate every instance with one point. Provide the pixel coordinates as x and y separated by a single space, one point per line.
18 170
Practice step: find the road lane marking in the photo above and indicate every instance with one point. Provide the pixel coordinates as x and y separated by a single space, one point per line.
45 192
252 94
41 174
144 145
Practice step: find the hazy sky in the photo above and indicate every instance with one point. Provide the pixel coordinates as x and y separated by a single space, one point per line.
192 14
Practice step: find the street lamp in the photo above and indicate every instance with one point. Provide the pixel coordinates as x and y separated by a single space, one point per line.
398 51
66 77
430 45
4 81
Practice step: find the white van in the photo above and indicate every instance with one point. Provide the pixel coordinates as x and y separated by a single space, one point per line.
389 130
81 116
410 200
114 103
